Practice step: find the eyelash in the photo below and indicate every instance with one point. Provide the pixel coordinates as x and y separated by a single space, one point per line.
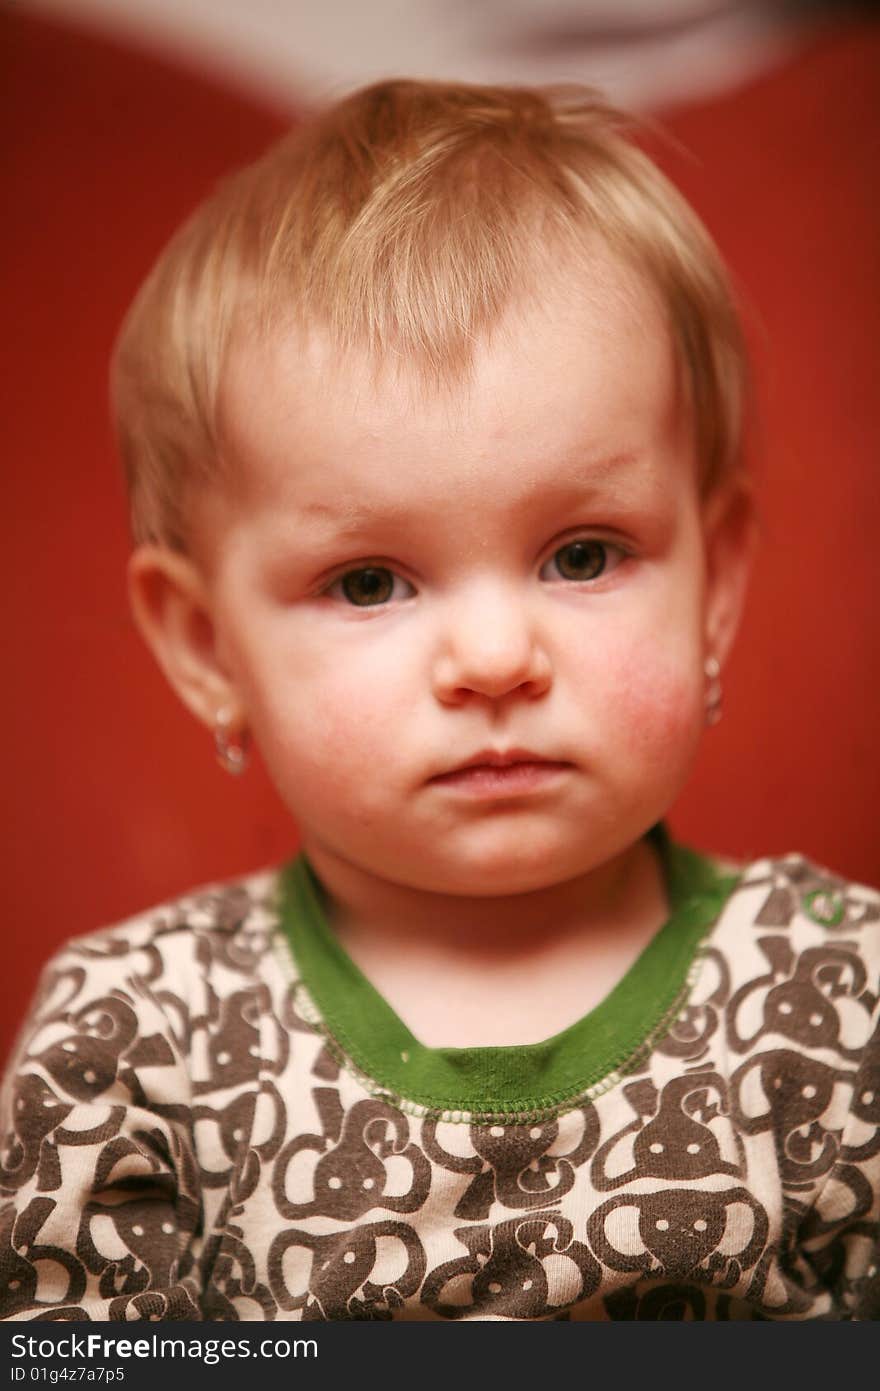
336 589
611 551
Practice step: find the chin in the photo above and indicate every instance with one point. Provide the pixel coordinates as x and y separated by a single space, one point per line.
498 871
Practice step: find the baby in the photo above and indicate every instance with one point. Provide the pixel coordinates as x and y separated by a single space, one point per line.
431 423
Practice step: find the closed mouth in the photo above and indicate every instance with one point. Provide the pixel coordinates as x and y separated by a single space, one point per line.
499 772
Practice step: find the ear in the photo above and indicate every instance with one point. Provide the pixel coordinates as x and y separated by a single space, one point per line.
172 608
730 532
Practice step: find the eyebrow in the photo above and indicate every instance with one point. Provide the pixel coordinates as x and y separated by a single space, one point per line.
353 518
346 519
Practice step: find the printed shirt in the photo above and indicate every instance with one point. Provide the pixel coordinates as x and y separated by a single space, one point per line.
213 1114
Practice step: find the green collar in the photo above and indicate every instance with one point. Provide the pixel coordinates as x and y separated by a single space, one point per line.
512 1081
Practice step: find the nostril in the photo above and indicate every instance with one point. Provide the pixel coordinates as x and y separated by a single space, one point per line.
492 672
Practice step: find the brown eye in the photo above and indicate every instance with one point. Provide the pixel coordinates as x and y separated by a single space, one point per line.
581 560
366 587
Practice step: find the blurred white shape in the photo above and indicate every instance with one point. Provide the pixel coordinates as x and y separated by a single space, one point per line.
642 53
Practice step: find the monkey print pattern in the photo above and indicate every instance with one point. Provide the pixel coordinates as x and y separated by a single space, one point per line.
679 1133
680 1232
515 1165
183 1136
524 1268
339 1283
352 1174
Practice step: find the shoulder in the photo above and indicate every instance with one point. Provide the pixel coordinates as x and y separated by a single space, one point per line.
790 890
799 948
176 960
237 917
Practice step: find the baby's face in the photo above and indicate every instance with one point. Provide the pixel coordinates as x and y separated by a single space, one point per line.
511 576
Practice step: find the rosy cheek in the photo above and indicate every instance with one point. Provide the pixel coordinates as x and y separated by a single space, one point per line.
335 731
658 707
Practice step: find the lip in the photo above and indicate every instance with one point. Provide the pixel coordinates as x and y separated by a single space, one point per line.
497 773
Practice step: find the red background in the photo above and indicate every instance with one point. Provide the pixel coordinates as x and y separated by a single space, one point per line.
114 799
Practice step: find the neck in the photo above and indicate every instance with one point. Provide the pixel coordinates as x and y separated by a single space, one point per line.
620 896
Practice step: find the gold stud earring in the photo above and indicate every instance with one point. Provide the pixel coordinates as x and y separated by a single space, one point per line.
712 669
231 745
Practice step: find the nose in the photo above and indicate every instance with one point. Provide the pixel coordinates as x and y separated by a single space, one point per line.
490 646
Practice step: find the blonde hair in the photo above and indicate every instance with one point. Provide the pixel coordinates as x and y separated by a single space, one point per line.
404 219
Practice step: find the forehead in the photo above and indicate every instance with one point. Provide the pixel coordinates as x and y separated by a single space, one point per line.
581 369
